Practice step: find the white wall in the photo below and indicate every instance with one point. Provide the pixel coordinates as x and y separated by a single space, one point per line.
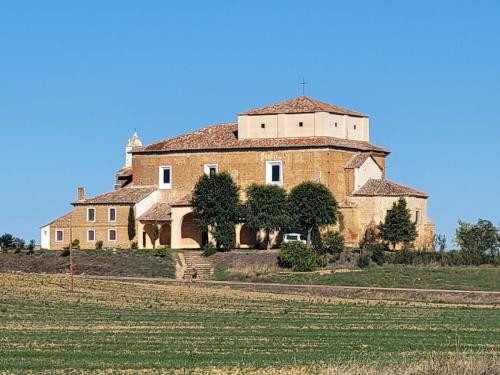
45 237
146 203
368 170
313 124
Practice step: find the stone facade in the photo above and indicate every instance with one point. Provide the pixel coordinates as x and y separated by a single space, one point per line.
158 179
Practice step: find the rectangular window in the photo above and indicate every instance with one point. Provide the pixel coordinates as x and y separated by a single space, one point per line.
90 214
59 236
165 174
112 214
417 216
301 124
210 169
111 234
262 126
90 235
274 173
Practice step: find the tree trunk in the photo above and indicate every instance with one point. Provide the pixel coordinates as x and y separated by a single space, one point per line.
309 236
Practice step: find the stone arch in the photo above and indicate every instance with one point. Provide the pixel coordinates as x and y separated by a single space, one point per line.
191 236
248 237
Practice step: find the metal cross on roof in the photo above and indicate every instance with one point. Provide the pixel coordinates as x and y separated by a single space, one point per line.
303 83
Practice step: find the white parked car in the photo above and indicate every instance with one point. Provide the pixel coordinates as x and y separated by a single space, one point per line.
291 237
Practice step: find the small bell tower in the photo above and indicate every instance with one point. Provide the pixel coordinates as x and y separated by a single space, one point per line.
133 142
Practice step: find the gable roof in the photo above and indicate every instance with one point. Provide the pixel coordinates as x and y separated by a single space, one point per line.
385 188
301 104
224 137
126 195
357 161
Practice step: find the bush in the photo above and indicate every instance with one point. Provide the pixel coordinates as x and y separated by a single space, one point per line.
378 254
99 245
363 261
75 244
333 242
134 245
298 257
209 250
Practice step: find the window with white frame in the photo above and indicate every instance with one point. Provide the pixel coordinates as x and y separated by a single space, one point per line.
90 214
210 169
165 177
274 172
112 214
111 234
90 235
59 235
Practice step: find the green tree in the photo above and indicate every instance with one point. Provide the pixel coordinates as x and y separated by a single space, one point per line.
478 241
398 226
216 206
266 208
131 225
312 205
155 233
333 242
6 241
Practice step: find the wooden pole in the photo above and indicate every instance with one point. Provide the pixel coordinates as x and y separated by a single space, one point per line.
71 265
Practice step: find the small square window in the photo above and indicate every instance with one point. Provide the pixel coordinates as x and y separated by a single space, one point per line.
59 236
262 126
90 235
90 214
112 214
111 235
165 174
210 169
301 124
336 125
354 127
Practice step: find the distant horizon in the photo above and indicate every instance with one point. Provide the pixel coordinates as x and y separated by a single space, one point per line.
78 78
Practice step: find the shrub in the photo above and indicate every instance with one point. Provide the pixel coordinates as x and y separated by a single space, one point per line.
75 244
378 254
333 242
209 250
363 261
134 245
99 245
298 257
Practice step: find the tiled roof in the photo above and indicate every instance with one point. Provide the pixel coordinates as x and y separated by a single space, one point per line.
124 172
384 188
357 161
225 137
62 221
301 104
184 201
127 195
159 212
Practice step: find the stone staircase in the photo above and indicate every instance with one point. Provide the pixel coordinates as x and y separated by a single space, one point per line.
196 259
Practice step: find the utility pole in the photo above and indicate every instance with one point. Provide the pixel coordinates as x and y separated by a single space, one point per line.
71 263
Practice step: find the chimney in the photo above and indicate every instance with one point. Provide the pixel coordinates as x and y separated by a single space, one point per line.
81 193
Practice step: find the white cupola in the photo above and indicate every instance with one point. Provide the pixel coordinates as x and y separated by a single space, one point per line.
133 142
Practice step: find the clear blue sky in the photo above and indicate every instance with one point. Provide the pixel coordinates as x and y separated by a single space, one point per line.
76 77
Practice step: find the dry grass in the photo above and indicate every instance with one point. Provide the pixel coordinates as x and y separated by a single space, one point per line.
251 272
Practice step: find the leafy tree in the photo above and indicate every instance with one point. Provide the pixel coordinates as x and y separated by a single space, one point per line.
131 225
398 226
266 208
216 206
6 241
312 205
299 257
19 244
31 247
155 233
478 240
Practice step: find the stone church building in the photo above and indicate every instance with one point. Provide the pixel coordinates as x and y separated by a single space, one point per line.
301 139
